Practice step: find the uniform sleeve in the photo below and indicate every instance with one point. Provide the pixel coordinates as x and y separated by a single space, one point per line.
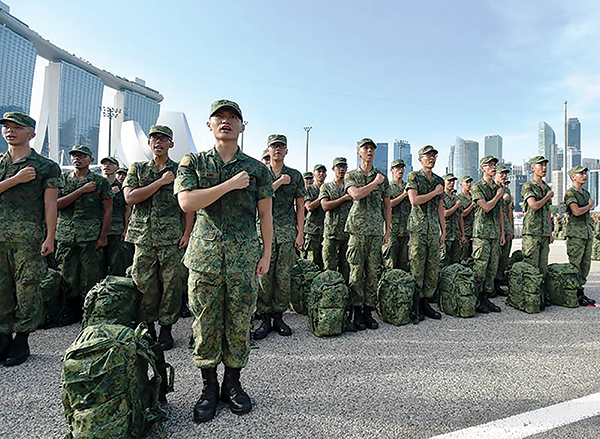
477 193
63 188
385 186
105 190
53 179
527 192
300 190
570 198
411 181
264 183
132 179
349 182
312 193
187 177
324 192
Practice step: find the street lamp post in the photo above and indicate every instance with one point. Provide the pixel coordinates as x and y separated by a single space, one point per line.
111 113
307 129
245 123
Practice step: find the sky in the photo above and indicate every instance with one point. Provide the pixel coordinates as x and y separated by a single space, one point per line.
424 71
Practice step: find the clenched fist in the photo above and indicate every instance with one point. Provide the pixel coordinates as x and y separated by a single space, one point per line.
167 178
241 180
25 175
90 186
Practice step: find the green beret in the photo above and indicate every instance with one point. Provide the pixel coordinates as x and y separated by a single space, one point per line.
397 162
426 150
449 177
502 168
276 138
113 160
466 178
308 174
340 161
488 159
365 141
265 154
225 103
537 160
162 129
82 148
18 118
319 166
576 170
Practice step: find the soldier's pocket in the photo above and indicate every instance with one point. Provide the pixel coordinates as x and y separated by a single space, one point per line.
354 252
478 248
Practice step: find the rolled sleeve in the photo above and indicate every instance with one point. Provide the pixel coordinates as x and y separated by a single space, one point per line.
187 177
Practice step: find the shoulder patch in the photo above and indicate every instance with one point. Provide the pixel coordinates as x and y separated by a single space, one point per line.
185 161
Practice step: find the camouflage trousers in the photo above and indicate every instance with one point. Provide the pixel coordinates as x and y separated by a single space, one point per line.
395 253
22 268
334 256
81 266
535 251
504 257
159 274
451 252
274 292
364 259
467 248
119 255
579 252
312 249
486 254
424 257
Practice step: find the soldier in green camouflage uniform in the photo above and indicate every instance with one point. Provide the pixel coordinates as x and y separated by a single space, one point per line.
455 230
160 232
84 214
309 179
506 206
395 251
488 234
227 189
467 214
580 235
336 203
370 212
427 231
315 219
288 233
121 175
28 191
266 157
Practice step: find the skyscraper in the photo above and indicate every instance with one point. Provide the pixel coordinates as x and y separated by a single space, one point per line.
466 158
547 148
402 151
493 146
381 157
138 107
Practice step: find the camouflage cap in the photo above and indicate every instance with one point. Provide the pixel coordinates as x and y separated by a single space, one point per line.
162 129
276 138
265 154
397 162
502 168
308 174
426 150
537 160
18 118
488 159
365 141
449 177
225 103
340 161
576 170
318 167
466 178
113 160
123 170
82 148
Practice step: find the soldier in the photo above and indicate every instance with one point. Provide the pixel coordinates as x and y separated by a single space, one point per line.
455 229
467 214
288 232
226 188
309 178
580 235
395 252
314 222
370 211
336 203
160 233
537 223
118 256
266 157
84 213
427 231
28 191
507 206
488 233
121 175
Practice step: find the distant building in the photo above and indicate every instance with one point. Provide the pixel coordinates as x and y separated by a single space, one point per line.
465 160
516 184
548 148
138 107
402 151
593 185
558 188
573 157
450 167
574 127
493 147
591 164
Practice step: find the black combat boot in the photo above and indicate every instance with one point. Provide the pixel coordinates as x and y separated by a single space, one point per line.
165 338
18 351
498 288
370 322
5 341
482 306
232 392
206 407
264 328
184 311
491 306
416 310
151 330
428 311
280 326
359 321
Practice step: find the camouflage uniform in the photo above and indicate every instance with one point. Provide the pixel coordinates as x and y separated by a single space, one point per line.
537 228
451 252
313 229
395 251
222 256
22 267
365 225
580 235
156 227
274 293
424 235
119 254
77 231
508 237
467 248
335 242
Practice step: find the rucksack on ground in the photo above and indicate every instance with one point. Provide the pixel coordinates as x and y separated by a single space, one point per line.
327 303
525 288
114 300
111 384
302 274
395 294
562 285
54 291
457 291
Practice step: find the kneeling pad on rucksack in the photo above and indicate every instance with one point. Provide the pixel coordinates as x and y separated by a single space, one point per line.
395 297
525 288
114 300
327 304
562 285
302 274
457 291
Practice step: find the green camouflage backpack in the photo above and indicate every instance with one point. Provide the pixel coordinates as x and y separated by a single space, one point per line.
516 256
457 291
114 299
395 294
596 250
106 390
303 272
562 285
327 304
525 288
54 289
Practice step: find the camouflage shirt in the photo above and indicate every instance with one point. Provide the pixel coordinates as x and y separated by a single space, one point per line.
158 220
536 223
424 218
366 215
314 223
401 212
22 206
505 206
117 221
467 220
453 221
81 221
285 227
230 220
486 225
578 226
335 219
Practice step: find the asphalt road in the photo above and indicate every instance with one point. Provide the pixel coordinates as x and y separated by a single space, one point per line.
414 381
